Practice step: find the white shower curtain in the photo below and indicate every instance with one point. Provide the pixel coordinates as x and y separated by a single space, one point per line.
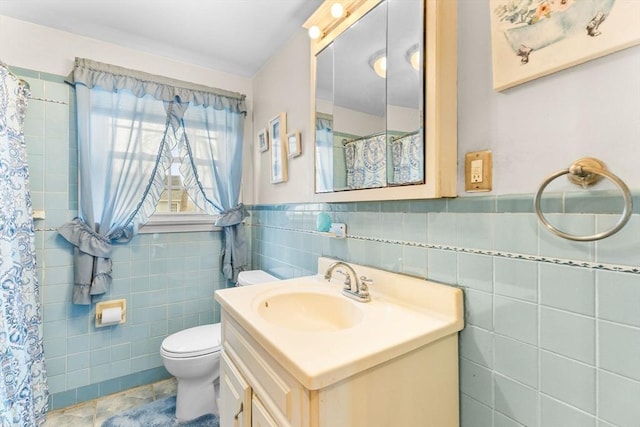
23 385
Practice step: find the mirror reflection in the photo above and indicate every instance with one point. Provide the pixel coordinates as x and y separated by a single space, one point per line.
369 89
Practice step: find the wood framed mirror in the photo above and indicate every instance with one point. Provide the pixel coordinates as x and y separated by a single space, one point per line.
384 134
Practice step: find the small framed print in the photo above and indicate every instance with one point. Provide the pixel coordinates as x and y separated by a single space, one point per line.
263 140
293 144
278 131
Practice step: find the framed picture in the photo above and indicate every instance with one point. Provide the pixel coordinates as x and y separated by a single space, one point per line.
263 140
278 130
533 38
293 144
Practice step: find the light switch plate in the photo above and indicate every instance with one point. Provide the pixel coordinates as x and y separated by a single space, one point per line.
478 171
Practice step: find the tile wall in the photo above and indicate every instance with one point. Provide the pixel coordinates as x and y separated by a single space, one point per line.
168 280
552 334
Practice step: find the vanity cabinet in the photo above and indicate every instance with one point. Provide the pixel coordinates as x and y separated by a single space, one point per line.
418 388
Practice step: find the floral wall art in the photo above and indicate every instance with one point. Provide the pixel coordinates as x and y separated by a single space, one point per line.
533 38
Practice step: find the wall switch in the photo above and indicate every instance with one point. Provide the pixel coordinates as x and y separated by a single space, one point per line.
477 171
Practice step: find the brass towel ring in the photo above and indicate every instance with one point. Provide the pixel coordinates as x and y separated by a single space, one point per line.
587 172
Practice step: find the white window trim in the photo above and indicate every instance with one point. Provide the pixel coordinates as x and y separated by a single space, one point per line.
179 223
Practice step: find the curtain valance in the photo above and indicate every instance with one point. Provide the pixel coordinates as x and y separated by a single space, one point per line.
113 78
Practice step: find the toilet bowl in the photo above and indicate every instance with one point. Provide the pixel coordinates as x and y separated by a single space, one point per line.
192 356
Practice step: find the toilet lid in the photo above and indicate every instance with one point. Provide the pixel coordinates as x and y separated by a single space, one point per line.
194 341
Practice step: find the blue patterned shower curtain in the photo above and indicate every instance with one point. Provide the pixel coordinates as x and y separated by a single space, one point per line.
23 385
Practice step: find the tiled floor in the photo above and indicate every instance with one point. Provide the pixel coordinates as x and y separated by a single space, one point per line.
95 412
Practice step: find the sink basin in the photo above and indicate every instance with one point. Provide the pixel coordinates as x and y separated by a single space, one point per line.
309 311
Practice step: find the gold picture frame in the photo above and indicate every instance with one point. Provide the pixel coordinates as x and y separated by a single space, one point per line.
263 140
277 131
293 144
531 39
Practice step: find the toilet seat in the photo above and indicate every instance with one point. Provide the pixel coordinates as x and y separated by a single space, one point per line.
192 342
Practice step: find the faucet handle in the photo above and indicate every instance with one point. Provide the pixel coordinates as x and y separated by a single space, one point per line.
364 286
366 281
347 279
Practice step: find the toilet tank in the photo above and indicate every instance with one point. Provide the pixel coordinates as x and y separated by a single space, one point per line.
254 277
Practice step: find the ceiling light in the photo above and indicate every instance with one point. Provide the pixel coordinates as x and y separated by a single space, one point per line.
379 65
413 56
314 32
337 10
414 59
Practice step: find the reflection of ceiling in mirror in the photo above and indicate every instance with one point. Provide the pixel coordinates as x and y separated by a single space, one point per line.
360 88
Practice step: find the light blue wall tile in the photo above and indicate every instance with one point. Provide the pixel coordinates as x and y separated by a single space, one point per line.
58 384
619 349
475 271
392 258
474 413
475 230
501 420
557 414
515 400
516 278
476 344
568 288
442 266
414 228
556 247
621 248
56 91
516 360
516 319
568 381
441 228
392 225
618 399
619 297
414 261
79 378
478 308
56 365
517 233
76 344
568 334
476 382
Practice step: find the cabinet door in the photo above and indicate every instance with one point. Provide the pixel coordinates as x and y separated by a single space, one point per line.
259 415
235 396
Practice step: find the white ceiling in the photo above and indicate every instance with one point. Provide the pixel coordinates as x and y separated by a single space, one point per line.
235 36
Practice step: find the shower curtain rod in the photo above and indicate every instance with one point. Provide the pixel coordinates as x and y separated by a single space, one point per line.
48 100
361 138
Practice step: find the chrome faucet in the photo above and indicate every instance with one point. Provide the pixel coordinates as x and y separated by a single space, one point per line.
361 290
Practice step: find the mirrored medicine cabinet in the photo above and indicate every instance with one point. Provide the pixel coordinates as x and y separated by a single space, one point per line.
383 100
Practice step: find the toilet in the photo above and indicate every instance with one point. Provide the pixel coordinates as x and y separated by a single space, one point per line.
193 357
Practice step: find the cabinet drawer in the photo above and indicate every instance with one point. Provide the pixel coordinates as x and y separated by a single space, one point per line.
285 398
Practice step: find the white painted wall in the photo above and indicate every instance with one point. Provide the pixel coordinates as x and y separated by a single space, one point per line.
533 129
44 49
283 86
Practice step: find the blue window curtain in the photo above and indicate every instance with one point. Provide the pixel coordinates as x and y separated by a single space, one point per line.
128 124
211 155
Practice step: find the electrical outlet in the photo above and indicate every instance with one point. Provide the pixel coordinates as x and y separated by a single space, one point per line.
477 171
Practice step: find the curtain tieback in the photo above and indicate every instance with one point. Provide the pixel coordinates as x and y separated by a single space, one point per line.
78 233
232 216
92 263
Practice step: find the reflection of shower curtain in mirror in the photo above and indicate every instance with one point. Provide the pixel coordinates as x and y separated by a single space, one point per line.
23 386
366 161
407 159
